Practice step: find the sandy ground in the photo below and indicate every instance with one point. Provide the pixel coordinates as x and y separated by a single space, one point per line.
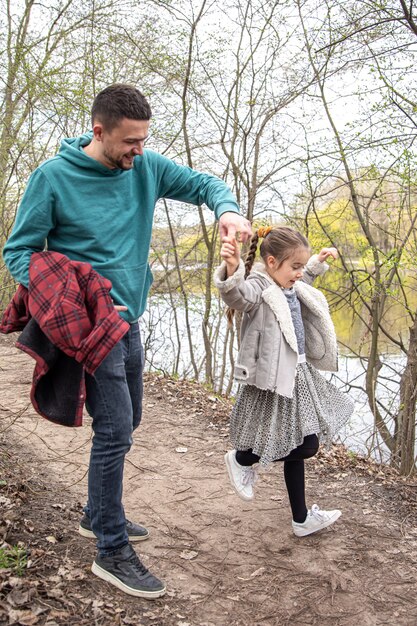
225 562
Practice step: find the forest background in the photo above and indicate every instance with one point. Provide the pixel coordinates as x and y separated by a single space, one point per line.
306 109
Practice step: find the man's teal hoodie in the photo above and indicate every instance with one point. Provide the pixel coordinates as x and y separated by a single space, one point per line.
75 205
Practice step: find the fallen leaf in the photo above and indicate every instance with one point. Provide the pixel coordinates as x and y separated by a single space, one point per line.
25 618
56 593
17 596
188 554
257 572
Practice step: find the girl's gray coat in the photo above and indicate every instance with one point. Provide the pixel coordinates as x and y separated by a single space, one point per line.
268 352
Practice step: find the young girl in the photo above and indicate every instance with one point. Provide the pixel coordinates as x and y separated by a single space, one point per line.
284 406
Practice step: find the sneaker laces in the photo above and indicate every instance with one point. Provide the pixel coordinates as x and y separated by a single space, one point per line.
249 475
322 516
138 565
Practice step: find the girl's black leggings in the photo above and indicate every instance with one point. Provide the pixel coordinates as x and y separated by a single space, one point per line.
293 473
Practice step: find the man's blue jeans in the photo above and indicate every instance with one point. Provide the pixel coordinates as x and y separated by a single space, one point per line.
114 401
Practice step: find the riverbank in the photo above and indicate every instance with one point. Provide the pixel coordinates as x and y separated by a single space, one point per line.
225 562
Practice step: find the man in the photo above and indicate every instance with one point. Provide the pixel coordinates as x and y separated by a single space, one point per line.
94 202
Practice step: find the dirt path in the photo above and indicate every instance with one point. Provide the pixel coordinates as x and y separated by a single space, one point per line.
226 562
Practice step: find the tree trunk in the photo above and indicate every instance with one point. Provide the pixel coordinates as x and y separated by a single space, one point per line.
403 456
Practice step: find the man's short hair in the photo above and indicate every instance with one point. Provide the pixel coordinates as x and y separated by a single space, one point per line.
118 101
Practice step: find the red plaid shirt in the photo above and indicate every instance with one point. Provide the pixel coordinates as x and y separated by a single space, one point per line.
71 305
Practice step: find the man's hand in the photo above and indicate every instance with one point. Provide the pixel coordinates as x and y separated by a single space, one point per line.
231 224
325 253
230 252
120 307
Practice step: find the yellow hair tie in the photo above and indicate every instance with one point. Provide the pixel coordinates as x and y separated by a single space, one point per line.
263 231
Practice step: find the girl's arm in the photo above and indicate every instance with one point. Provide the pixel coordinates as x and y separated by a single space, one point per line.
325 253
229 278
316 265
230 253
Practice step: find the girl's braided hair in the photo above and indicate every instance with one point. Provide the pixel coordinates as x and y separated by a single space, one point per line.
279 242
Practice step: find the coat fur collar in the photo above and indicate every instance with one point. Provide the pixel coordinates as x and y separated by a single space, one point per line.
313 299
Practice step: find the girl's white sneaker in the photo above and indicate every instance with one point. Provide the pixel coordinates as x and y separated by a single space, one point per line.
315 520
242 477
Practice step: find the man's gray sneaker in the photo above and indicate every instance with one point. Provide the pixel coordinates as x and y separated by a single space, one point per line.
126 571
135 532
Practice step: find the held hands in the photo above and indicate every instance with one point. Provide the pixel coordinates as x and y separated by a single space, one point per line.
325 253
234 225
230 253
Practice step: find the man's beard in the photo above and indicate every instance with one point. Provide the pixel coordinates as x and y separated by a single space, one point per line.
116 163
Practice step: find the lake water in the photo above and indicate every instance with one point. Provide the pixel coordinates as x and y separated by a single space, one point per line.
165 341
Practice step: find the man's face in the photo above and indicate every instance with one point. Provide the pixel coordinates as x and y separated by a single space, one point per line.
119 146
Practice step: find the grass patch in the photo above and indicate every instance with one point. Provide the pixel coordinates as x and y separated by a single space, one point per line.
14 558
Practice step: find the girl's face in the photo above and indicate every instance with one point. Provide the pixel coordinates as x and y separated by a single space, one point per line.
289 271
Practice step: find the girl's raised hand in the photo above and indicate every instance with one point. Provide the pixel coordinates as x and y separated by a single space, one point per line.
230 253
325 253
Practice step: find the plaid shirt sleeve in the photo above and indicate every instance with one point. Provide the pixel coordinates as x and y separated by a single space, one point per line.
72 305
16 315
